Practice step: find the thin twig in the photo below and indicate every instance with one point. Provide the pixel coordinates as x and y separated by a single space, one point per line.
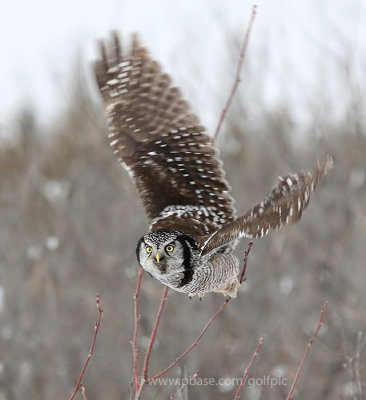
83 391
237 79
208 324
144 378
246 254
139 391
308 347
130 384
135 330
185 383
96 329
247 369
153 333
194 344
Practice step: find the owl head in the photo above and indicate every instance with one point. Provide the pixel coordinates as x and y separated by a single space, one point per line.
164 252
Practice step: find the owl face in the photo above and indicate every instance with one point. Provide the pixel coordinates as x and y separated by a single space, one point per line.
165 252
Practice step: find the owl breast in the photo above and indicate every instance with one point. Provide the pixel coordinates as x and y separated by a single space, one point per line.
216 274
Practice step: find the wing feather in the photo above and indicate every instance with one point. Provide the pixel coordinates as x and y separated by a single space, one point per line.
160 142
283 206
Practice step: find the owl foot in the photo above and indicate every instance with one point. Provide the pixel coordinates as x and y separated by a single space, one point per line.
230 289
200 295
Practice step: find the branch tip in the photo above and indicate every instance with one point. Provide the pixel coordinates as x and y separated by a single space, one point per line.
237 78
79 384
308 347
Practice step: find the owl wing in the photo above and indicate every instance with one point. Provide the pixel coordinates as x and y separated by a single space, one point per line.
283 206
161 144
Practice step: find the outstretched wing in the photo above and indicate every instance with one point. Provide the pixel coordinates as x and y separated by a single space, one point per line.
284 205
161 143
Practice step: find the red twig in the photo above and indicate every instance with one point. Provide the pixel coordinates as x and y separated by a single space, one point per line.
140 383
237 79
135 330
131 389
83 391
210 321
246 254
153 333
194 344
246 372
185 383
308 347
96 329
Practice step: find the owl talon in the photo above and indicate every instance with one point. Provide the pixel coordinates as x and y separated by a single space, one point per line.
191 295
230 290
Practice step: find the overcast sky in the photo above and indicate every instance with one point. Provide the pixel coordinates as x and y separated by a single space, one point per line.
296 52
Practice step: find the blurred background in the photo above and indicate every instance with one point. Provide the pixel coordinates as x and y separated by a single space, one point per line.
70 218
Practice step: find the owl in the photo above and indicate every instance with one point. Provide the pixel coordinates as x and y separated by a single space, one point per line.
179 177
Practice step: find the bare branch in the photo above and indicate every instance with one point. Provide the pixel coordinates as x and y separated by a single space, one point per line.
246 254
151 343
194 344
320 324
83 391
210 321
96 329
135 330
247 369
237 79
153 333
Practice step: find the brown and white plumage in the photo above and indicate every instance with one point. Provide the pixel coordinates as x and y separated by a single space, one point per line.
180 178
284 205
160 141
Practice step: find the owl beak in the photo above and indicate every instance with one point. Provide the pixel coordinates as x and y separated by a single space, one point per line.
157 256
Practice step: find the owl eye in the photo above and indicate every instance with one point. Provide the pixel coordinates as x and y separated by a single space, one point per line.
169 248
148 249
